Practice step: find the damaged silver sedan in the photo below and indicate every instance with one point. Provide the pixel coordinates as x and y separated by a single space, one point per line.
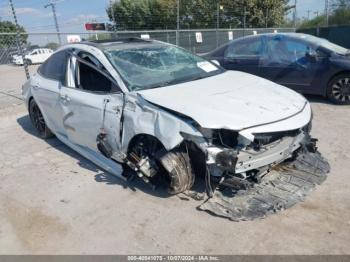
168 116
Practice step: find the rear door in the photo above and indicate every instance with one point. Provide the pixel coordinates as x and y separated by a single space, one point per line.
46 86
244 55
92 103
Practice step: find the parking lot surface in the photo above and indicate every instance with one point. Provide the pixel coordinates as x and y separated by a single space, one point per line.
53 201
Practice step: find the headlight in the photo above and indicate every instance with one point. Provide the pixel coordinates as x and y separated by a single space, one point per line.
221 137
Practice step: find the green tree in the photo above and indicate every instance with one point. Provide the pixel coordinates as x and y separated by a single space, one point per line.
10 40
258 13
315 22
340 15
52 45
162 14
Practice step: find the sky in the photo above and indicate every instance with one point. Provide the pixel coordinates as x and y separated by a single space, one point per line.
72 14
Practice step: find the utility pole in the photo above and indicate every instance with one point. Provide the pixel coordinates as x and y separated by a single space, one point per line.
308 14
177 21
53 6
267 17
295 13
112 14
19 42
327 11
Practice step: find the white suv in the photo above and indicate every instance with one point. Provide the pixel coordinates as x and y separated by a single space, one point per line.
36 56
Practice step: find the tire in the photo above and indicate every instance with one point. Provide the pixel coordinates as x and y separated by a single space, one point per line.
173 169
180 175
338 90
29 62
38 120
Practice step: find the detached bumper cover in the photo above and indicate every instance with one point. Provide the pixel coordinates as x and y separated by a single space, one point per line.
285 185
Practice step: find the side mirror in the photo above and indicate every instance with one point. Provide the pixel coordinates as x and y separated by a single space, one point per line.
311 56
215 62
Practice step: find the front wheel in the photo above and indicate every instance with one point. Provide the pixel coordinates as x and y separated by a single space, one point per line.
338 90
38 120
172 169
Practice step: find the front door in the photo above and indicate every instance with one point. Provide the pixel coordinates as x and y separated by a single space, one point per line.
91 104
287 63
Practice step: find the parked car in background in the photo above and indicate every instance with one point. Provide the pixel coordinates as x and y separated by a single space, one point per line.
305 63
169 115
35 56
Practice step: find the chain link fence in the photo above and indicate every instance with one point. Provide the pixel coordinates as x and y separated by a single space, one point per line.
197 41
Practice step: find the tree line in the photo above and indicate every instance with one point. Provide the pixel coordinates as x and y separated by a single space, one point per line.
193 14
339 15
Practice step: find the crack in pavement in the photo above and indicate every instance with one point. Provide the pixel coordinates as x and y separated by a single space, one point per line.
7 94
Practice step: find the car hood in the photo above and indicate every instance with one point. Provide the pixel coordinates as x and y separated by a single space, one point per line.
232 100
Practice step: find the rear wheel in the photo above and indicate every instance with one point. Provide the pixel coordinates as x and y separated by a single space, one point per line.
38 120
339 89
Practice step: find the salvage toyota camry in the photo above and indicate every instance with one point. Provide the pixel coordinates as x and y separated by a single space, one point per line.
173 117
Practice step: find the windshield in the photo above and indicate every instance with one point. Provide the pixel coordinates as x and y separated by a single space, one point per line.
159 65
328 45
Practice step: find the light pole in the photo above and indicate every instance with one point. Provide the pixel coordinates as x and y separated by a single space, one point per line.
295 13
267 17
177 21
53 6
218 8
327 11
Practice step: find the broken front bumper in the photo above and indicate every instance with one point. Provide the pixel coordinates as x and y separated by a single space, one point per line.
285 185
251 159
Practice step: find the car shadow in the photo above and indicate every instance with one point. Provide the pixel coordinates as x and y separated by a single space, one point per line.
102 176
318 99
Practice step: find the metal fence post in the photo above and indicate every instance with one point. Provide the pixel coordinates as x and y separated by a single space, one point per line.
19 42
217 22
177 21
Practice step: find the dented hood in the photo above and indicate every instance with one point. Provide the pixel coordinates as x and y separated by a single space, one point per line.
232 100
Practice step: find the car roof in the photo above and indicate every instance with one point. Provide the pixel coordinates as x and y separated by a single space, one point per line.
292 34
121 43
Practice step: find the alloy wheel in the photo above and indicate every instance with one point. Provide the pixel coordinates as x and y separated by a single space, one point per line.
38 119
341 90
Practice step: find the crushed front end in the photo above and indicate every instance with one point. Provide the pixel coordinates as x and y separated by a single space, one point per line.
251 177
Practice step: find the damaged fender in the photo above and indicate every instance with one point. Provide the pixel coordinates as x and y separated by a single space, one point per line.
142 117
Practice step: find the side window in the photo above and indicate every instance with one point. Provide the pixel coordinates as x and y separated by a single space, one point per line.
92 75
245 47
287 51
89 79
34 53
55 67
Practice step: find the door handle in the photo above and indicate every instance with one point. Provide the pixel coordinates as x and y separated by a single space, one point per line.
232 62
65 99
35 87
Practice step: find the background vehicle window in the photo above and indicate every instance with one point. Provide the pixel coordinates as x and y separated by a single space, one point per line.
247 47
287 51
90 79
55 67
